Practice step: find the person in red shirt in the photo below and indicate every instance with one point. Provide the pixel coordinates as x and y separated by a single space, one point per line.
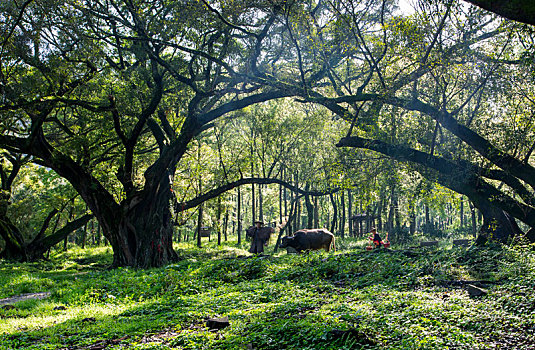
375 238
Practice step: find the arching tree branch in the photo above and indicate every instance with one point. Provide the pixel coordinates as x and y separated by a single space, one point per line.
247 181
455 176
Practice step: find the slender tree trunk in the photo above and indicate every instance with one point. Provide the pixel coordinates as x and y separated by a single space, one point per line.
280 204
395 203
239 216
462 212
335 213
93 233
343 219
297 221
218 216
98 235
287 226
474 221
260 204
390 224
350 211
285 196
412 220
71 214
253 197
225 224
84 233
368 219
310 208
199 225
380 215
316 213
234 217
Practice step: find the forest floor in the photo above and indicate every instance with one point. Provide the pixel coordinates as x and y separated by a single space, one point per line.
352 299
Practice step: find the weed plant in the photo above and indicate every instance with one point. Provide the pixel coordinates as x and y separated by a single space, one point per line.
351 299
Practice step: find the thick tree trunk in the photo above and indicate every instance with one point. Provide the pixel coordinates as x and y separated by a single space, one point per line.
14 242
143 236
497 226
140 230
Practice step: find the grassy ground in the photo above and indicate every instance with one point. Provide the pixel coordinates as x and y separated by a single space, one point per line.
352 299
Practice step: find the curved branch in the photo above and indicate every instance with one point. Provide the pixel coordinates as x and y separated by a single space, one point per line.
246 181
481 145
454 176
45 224
39 246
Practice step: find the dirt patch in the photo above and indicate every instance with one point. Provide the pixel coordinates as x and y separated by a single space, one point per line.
27 296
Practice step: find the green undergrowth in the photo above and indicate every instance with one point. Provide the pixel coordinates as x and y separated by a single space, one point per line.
351 299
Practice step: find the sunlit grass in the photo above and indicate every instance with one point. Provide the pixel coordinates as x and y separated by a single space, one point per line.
387 299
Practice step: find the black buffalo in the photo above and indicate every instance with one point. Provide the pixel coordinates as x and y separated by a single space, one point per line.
310 239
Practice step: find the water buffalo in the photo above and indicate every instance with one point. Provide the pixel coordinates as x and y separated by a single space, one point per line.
311 239
259 238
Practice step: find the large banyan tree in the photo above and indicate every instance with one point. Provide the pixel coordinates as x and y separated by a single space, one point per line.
110 93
